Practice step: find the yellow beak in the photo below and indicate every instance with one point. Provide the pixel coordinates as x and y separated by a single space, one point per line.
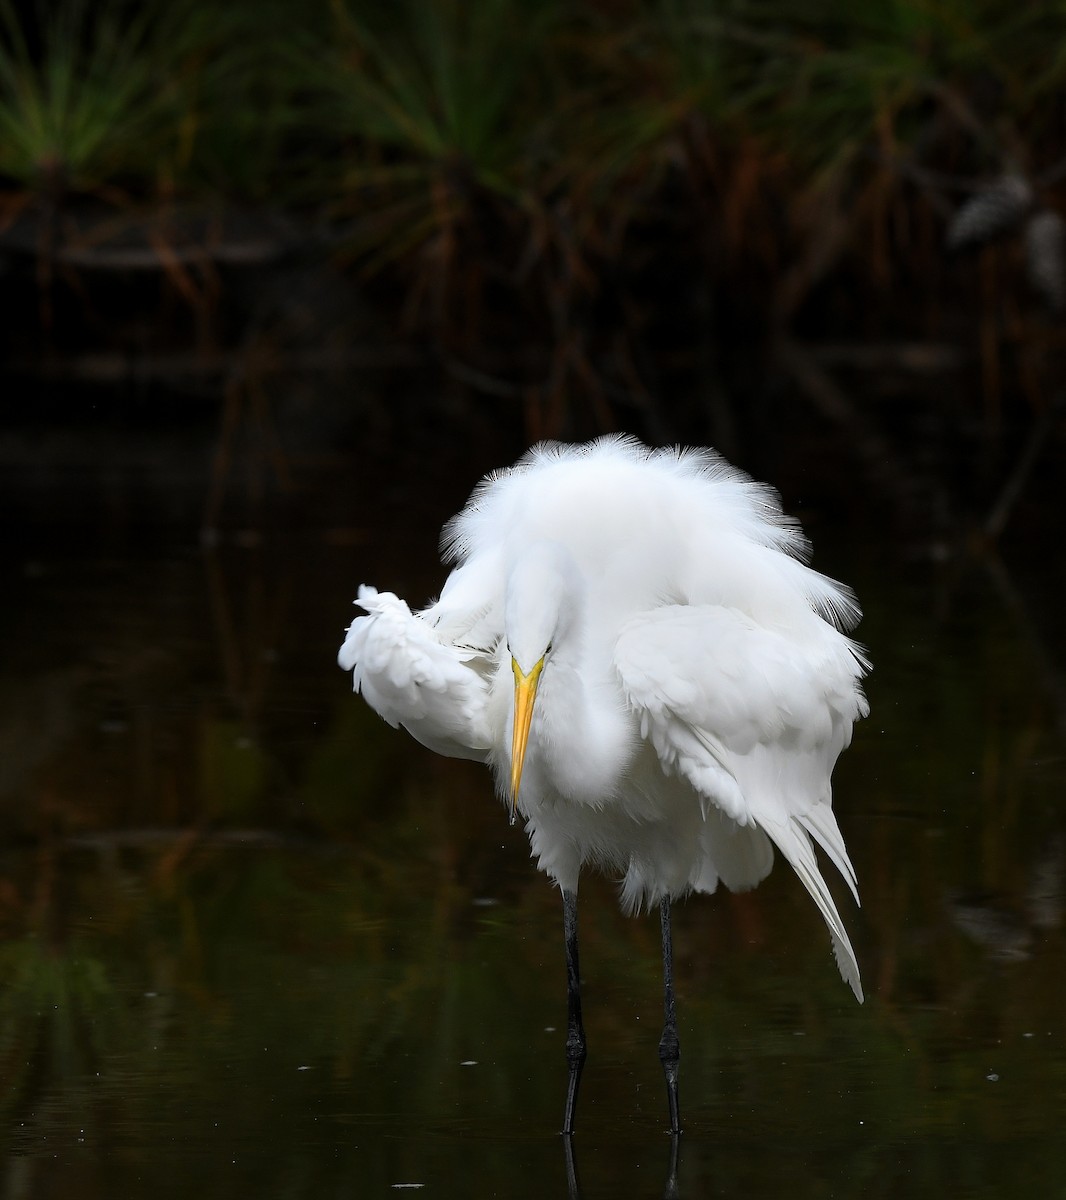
525 693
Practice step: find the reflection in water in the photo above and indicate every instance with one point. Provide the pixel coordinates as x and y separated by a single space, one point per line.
671 1189
1012 935
573 1184
245 949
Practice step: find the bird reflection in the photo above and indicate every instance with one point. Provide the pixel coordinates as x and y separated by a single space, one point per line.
573 1183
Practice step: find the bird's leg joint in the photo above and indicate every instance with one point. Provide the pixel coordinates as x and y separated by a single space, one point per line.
576 1050
669 1047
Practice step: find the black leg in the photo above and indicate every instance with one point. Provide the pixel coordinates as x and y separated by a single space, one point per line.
575 1031
669 1047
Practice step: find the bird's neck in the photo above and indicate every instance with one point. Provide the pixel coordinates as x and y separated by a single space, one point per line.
583 733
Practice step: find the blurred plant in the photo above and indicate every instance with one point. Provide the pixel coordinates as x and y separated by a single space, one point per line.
57 1009
52 987
239 98
115 99
90 106
635 185
433 103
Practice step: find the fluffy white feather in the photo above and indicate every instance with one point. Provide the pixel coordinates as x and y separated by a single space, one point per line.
696 687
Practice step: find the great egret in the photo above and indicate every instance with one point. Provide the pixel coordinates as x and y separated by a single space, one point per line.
632 642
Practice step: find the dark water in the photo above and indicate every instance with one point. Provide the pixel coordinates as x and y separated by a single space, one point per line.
257 944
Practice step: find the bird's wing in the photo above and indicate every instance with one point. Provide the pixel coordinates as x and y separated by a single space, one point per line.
411 677
754 719
470 609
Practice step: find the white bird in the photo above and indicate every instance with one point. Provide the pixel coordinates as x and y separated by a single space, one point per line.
632 641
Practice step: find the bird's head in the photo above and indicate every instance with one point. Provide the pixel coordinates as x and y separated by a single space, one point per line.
540 610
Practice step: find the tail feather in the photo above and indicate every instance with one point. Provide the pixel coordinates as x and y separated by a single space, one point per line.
822 825
795 844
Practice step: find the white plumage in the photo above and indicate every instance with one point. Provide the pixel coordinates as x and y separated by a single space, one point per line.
691 688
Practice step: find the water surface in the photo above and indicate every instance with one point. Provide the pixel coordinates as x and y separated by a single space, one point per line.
257 943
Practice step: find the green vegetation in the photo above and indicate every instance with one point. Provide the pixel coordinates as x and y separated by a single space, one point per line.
579 207
85 109
418 111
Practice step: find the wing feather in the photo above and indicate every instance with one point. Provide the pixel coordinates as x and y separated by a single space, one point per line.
754 719
437 691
